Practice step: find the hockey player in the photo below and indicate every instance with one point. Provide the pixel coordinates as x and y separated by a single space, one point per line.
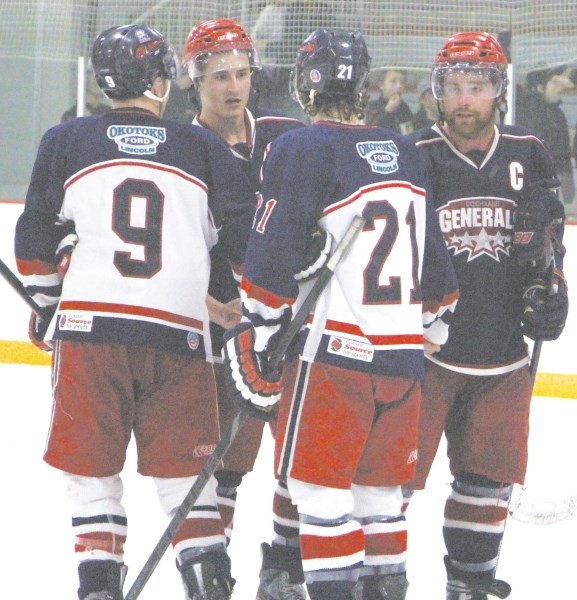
148 198
220 58
503 226
347 421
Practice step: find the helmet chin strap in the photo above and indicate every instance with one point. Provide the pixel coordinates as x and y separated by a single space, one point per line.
162 100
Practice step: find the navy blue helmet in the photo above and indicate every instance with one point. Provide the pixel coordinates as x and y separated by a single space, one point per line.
333 62
128 58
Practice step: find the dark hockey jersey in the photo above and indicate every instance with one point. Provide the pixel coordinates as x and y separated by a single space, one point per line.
148 199
260 131
395 280
475 204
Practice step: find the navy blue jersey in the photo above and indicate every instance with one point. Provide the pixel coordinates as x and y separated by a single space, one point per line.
148 199
261 132
475 198
396 279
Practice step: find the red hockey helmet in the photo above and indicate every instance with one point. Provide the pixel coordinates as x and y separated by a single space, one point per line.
471 53
215 37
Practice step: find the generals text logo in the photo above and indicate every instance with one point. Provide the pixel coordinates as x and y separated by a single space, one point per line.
381 156
137 140
478 226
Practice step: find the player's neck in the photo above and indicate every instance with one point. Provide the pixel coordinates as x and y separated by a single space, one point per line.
142 102
353 120
481 142
231 129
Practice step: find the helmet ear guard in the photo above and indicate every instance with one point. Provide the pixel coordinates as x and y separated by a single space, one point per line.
127 59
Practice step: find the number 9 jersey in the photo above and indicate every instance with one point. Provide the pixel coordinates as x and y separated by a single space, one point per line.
148 199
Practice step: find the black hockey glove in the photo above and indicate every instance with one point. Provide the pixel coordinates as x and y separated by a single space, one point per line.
534 219
37 327
316 254
252 389
545 312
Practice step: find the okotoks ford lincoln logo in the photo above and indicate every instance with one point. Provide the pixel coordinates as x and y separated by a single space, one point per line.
137 140
381 156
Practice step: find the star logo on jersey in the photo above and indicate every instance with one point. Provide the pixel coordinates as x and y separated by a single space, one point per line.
478 226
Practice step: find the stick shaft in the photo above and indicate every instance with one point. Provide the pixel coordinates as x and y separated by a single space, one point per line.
229 436
17 285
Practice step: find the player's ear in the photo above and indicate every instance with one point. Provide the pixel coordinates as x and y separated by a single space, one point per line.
160 86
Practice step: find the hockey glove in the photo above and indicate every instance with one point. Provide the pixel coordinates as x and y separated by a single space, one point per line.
252 389
316 254
532 229
37 327
64 253
545 313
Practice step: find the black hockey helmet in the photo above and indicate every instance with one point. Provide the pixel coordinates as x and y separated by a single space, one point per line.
128 58
331 62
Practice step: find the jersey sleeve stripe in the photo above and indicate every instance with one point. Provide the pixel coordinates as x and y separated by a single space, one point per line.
272 301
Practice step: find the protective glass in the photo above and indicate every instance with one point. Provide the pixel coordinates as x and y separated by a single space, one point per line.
452 81
223 60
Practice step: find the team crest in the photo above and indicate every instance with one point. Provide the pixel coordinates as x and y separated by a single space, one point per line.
193 340
478 226
381 156
134 139
315 75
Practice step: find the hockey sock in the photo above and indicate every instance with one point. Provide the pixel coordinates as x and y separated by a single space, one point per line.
228 482
475 515
285 517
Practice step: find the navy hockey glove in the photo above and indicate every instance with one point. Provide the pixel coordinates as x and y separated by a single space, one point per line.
316 254
37 327
545 313
533 225
253 389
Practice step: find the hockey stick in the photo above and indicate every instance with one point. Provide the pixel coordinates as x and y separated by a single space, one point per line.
229 436
525 509
17 285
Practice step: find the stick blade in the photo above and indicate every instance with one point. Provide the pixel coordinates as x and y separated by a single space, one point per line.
534 511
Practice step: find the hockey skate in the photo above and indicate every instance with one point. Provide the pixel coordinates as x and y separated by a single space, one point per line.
207 577
101 580
460 590
281 575
383 587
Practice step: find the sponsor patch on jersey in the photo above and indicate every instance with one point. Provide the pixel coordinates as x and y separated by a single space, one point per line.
351 348
193 340
478 226
75 322
381 156
137 140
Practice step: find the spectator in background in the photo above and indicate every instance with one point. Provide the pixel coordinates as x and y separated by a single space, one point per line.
389 110
428 112
539 109
96 101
